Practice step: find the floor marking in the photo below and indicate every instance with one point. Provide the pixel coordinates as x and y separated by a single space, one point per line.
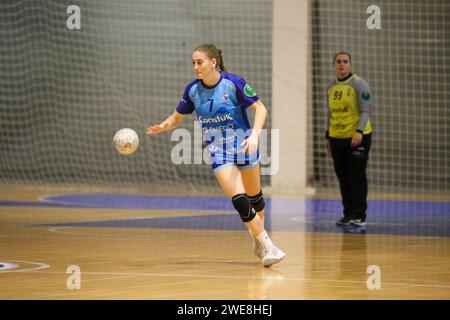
7 266
39 266
275 277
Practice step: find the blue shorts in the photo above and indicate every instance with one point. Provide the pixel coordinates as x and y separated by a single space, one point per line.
219 161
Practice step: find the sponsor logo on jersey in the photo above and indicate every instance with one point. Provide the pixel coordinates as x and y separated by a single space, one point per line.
225 97
217 119
339 110
365 95
249 91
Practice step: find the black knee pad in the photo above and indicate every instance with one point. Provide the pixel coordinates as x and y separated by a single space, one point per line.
243 206
257 201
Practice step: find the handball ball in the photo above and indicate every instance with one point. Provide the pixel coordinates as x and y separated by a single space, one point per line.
126 141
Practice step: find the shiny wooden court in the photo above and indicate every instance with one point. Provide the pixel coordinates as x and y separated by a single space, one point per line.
39 243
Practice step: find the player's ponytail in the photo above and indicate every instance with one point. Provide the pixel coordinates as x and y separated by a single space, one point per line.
213 53
220 61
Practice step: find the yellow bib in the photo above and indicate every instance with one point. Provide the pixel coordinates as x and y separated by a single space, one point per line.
344 111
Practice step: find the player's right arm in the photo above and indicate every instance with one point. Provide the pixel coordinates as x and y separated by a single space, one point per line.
170 123
185 107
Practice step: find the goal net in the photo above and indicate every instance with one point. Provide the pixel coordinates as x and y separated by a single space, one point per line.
407 66
66 91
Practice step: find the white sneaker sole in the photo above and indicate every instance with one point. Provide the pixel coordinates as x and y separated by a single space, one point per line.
358 224
267 262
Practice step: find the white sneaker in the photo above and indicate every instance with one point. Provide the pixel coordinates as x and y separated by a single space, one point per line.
258 248
272 256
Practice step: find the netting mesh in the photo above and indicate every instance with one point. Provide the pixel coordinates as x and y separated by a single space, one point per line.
66 92
407 66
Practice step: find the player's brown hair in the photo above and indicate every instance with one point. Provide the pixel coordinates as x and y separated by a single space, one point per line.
342 52
213 53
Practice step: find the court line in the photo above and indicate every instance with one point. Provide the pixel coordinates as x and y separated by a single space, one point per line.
40 266
59 230
46 199
53 199
244 277
7 266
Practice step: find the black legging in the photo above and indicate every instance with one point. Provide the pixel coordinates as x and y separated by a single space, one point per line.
350 166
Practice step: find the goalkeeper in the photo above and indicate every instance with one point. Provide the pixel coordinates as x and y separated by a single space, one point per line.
349 137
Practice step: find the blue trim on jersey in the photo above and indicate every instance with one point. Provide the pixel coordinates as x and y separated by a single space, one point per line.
212 87
245 117
186 106
240 83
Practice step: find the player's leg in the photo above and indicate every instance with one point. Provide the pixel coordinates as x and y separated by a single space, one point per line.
340 149
252 184
358 165
229 178
251 179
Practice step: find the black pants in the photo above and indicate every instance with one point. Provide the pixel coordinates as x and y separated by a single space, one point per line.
350 166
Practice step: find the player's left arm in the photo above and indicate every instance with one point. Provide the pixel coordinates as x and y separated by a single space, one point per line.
365 103
251 143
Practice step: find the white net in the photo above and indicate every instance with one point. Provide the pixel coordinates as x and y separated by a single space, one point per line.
64 93
407 66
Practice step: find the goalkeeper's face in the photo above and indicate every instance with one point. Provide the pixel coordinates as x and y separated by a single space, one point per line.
203 66
342 65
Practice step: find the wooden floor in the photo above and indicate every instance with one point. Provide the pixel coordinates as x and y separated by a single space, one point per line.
149 263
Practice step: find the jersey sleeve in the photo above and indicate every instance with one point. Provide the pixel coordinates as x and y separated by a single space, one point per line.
245 94
365 102
327 130
186 106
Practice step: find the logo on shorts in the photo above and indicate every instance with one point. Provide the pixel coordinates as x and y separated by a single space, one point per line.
365 95
249 91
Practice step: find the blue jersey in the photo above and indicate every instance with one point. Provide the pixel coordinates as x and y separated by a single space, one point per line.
222 112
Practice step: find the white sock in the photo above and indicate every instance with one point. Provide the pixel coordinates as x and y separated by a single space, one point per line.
251 232
264 239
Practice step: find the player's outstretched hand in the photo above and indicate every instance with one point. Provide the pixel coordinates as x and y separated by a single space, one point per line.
156 128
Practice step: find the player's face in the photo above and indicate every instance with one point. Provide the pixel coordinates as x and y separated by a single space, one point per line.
202 65
342 65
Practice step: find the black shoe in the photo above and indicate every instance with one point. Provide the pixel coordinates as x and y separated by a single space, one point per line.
345 221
